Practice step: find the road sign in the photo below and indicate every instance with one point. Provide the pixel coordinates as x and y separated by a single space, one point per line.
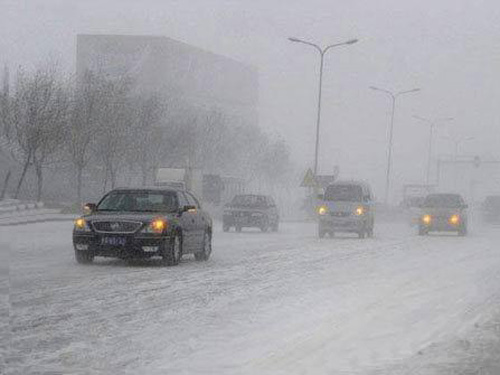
309 179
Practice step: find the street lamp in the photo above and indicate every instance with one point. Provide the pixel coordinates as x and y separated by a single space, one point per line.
394 97
432 125
322 52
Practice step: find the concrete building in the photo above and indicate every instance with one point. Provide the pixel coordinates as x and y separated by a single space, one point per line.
187 74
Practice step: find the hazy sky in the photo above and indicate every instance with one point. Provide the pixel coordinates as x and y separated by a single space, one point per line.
448 48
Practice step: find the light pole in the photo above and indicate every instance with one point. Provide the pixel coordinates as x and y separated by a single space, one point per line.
322 52
394 97
432 125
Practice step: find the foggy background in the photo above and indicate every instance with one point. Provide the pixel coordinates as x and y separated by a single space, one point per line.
449 49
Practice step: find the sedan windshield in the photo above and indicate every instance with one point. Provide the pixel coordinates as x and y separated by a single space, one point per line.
249 201
345 193
139 201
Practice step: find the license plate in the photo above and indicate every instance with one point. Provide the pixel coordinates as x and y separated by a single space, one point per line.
114 241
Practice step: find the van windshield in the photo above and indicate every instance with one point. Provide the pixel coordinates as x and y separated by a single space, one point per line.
346 193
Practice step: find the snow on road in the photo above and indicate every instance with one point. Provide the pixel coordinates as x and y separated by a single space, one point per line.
285 303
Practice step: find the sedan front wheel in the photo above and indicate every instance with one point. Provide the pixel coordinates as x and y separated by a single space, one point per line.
204 254
172 251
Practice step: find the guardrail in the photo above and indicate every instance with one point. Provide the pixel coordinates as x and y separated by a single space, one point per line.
16 212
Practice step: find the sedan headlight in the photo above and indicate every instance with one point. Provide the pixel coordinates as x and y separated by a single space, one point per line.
158 225
426 219
360 211
81 225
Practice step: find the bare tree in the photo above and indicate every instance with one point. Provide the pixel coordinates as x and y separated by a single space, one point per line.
39 115
148 134
86 111
114 124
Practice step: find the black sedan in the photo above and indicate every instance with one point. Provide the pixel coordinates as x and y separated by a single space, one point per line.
144 223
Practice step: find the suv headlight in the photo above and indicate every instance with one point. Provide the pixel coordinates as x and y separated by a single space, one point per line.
82 225
158 226
454 219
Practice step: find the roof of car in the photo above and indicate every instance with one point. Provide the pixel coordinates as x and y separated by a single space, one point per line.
147 188
444 195
251 195
351 182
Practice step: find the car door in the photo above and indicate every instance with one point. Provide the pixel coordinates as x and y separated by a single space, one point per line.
188 223
274 215
198 220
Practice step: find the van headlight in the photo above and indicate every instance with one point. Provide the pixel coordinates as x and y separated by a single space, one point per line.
322 210
360 211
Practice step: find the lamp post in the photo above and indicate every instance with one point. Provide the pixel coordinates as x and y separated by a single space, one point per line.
394 97
322 52
432 125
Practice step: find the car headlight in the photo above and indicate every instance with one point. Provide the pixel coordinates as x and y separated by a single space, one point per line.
360 211
322 210
81 225
426 219
454 219
158 225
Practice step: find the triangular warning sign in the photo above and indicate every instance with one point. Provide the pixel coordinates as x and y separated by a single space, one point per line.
309 180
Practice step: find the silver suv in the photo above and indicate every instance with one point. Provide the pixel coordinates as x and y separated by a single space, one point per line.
346 207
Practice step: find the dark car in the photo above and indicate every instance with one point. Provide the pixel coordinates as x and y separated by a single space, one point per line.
144 223
443 213
491 209
257 211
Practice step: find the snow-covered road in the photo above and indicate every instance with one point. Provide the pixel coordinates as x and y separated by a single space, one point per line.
285 303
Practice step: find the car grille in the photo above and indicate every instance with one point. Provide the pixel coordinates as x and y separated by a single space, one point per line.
116 226
340 214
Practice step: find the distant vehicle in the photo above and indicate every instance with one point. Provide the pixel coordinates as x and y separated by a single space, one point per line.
443 213
144 223
491 209
346 207
247 210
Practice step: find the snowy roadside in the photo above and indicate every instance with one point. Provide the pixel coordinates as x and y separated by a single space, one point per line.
264 304
473 351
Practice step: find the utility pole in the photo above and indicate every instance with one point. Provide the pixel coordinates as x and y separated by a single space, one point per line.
322 52
394 97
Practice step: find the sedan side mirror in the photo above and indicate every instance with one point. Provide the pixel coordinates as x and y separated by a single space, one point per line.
89 208
188 209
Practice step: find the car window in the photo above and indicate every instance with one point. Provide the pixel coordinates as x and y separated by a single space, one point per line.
443 200
347 193
139 201
249 201
192 200
183 201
